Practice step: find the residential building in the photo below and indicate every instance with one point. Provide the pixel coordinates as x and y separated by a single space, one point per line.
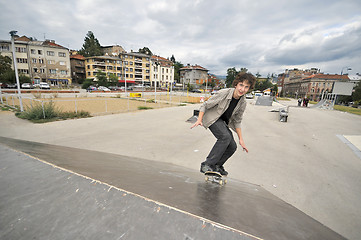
162 72
42 61
113 51
313 86
77 63
109 65
193 75
136 68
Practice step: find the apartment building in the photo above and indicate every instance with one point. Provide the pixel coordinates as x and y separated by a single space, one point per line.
162 72
193 75
136 68
109 65
313 86
42 61
77 63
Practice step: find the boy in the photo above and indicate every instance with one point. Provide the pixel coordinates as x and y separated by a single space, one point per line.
222 111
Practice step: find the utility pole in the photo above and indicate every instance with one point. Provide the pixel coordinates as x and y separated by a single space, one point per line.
12 33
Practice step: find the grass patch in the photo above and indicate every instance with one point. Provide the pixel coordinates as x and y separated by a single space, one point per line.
347 109
283 99
48 113
144 108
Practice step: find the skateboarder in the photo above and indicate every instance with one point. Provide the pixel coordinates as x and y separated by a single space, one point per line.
222 111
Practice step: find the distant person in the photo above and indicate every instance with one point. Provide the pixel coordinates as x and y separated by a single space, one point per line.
299 101
224 110
306 101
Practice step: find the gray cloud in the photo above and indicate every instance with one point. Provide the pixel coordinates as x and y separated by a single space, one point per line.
264 36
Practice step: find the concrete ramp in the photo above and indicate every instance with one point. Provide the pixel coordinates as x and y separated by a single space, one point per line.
69 193
264 101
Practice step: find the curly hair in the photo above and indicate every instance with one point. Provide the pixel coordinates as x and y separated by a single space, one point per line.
243 76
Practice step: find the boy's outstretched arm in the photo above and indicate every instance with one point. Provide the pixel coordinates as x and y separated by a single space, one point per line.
199 120
241 142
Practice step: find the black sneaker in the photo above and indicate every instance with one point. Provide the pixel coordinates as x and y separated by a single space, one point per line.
206 168
221 170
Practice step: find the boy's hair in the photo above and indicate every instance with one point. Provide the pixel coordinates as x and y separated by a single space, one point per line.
243 76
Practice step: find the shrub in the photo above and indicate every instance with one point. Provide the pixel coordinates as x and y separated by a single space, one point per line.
48 113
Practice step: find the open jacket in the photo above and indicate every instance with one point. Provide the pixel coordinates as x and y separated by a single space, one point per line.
214 107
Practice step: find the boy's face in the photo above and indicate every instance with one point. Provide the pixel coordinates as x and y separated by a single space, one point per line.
241 89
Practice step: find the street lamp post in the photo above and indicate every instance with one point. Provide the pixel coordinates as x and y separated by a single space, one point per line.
12 33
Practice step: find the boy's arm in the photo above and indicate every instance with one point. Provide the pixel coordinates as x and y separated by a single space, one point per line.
199 120
241 142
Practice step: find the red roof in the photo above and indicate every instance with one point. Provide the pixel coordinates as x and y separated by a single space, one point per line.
195 67
78 56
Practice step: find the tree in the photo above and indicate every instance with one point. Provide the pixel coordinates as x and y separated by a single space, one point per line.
5 64
91 46
145 50
102 78
113 79
172 58
231 75
356 94
177 67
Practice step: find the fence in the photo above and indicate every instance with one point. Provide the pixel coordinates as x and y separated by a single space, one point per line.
100 104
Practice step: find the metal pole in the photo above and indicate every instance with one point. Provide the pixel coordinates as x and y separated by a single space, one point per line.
12 33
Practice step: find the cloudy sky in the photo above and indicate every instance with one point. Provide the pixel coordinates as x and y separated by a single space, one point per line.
265 36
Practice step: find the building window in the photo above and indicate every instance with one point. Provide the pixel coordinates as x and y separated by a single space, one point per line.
41 60
35 70
4 48
52 71
50 53
33 60
51 62
63 72
40 52
22 60
32 51
23 71
62 63
20 49
62 54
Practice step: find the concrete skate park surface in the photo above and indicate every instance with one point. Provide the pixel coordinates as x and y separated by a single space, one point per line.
303 162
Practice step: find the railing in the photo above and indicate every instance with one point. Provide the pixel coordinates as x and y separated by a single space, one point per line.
100 103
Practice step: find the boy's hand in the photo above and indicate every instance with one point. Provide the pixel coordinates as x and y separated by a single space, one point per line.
197 123
243 146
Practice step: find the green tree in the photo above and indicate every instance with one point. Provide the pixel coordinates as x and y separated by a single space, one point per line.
91 46
172 58
113 79
102 79
87 82
356 94
231 75
5 64
177 67
145 50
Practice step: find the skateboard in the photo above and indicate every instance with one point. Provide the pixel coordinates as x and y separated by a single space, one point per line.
215 177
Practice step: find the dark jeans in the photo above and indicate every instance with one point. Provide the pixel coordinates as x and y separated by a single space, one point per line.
225 146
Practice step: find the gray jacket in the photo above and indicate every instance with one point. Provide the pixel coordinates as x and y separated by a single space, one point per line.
214 107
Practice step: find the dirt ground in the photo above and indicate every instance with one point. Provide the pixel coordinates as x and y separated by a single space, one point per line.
100 105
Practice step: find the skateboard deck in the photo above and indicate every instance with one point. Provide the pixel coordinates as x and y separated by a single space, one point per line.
215 177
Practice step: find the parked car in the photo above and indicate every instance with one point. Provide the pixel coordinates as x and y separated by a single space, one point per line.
44 85
249 95
104 89
114 88
12 85
91 88
196 91
27 86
